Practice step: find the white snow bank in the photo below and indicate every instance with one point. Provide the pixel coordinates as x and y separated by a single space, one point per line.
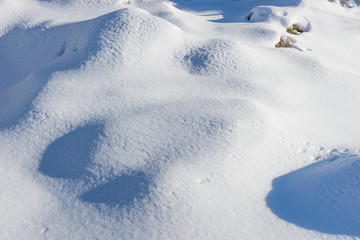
149 121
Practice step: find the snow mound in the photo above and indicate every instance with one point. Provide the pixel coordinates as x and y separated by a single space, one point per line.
170 120
29 57
324 196
216 56
264 13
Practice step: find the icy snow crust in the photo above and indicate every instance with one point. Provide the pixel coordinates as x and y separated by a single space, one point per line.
179 120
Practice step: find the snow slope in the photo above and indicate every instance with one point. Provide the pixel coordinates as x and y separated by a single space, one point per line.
323 196
179 120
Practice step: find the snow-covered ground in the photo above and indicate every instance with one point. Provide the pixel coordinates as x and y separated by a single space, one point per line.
154 119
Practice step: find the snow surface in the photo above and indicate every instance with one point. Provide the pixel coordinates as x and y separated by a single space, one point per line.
153 119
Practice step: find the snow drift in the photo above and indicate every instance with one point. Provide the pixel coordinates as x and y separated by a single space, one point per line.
170 120
323 196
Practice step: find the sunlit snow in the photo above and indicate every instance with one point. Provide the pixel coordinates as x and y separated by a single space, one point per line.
155 119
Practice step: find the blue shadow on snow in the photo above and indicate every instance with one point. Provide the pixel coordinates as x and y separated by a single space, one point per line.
68 156
121 191
230 10
324 196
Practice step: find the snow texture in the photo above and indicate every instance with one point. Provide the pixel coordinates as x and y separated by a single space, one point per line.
154 119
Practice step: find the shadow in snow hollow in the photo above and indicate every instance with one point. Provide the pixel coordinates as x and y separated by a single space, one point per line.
68 156
121 191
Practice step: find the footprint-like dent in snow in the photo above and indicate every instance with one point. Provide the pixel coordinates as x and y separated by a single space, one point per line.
324 196
68 156
212 57
121 191
62 50
196 60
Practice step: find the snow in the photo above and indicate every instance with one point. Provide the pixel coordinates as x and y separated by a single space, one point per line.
322 196
179 120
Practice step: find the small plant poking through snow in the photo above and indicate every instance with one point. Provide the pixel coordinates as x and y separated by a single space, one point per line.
285 42
249 16
295 29
347 3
